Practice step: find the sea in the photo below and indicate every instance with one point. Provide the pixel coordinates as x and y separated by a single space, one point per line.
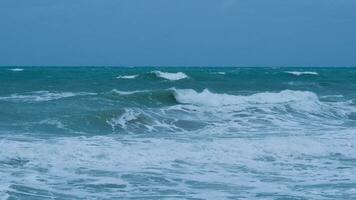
177 133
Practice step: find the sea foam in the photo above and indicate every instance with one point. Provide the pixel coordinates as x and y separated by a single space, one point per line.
75 164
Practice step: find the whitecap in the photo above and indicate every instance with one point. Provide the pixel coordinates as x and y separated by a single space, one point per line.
39 96
220 73
207 98
297 73
128 92
126 117
170 76
127 76
286 109
332 96
16 69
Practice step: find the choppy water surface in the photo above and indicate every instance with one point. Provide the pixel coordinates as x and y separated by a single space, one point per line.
177 133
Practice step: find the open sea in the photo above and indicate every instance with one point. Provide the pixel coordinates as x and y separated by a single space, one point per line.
177 133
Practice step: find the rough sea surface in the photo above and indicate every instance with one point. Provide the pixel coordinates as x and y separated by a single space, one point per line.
177 133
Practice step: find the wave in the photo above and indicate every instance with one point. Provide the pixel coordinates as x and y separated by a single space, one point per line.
297 73
127 76
136 120
220 73
128 92
298 101
170 76
145 97
267 111
332 96
129 115
16 69
207 98
39 96
73 164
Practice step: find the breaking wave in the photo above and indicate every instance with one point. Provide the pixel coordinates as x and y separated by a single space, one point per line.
127 76
207 98
247 135
187 109
128 92
126 117
170 76
297 73
16 69
220 73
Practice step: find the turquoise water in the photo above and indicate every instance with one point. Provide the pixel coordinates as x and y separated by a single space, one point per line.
177 133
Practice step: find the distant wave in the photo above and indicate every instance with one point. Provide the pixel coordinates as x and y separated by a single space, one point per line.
39 96
170 76
207 98
297 73
16 69
127 76
128 92
220 73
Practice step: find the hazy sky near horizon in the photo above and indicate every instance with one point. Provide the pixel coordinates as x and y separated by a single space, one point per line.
178 32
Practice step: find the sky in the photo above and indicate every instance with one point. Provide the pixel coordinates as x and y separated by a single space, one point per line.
178 33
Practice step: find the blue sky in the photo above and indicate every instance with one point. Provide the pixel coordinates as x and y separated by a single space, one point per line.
178 32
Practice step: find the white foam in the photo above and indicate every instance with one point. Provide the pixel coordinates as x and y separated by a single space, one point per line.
170 76
332 96
127 76
246 165
17 69
128 92
261 112
207 98
4 188
297 73
39 96
126 117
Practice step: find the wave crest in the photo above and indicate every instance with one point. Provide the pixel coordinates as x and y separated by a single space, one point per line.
126 117
207 98
16 69
297 73
170 76
127 76
39 96
128 92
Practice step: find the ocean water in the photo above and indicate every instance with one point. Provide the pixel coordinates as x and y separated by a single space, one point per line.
177 133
